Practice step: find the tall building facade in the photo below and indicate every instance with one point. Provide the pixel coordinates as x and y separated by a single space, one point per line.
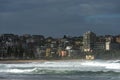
89 39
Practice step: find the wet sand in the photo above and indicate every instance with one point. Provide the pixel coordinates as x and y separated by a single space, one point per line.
29 61
20 61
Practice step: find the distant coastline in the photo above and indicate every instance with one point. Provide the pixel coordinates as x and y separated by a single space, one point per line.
32 47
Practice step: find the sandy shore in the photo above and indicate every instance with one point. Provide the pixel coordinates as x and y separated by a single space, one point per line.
21 61
29 61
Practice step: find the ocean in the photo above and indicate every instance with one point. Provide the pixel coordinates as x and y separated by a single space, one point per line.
62 70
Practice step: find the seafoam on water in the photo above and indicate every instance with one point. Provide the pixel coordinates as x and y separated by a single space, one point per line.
62 67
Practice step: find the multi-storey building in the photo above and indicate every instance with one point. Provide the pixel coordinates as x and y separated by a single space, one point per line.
89 39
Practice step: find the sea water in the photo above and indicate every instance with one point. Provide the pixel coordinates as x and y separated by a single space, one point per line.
62 70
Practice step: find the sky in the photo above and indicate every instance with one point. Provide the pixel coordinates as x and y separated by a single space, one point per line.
60 17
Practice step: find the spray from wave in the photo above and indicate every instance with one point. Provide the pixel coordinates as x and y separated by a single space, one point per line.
62 67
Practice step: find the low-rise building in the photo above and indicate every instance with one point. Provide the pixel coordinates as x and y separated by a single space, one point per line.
112 46
99 46
118 39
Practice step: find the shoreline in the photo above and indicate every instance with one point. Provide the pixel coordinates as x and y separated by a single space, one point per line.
30 61
37 60
20 61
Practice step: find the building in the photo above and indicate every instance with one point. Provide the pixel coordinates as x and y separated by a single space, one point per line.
99 46
118 39
89 39
89 57
72 51
112 46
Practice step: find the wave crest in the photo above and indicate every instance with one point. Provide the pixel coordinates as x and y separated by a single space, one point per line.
62 67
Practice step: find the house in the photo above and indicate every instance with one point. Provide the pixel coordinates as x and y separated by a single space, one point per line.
72 51
112 46
99 46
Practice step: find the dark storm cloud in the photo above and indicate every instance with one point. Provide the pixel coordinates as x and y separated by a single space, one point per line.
59 17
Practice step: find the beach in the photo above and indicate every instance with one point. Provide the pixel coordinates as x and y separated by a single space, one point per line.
29 61
21 61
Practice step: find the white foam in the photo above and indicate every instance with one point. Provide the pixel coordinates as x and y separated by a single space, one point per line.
61 66
17 70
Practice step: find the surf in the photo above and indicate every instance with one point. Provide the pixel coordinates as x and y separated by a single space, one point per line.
62 67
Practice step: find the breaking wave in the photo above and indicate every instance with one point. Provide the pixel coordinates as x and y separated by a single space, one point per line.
63 67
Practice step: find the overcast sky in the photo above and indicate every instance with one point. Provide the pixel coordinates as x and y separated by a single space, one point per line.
58 17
